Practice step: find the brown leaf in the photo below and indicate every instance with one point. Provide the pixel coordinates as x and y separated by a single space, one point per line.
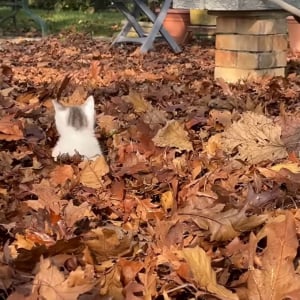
61 174
51 284
205 277
139 103
255 137
173 135
110 241
73 214
276 278
92 171
109 124
10 130
47 198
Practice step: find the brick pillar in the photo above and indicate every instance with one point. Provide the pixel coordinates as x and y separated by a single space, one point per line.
250 44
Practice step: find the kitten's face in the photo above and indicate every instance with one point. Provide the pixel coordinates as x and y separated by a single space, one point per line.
75 118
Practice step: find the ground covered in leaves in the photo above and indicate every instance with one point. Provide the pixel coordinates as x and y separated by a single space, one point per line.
196 197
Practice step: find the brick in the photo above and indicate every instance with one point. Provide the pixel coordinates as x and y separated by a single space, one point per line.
225 58
251 42
265 60
250 60
234 74
253 25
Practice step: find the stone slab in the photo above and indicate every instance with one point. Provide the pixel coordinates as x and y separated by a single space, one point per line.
248 25
231 5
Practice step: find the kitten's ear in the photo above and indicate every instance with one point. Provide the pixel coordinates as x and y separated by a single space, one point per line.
89 104
57 106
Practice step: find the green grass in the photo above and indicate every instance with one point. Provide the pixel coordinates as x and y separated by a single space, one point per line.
105 23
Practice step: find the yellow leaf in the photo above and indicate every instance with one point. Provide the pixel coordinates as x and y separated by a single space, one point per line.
293 167
205 277
167 200
213 144
92 171
173 135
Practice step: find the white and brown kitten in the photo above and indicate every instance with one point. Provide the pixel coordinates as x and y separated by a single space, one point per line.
75 125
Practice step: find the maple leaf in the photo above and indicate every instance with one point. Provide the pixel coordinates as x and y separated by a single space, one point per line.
47 198
275 279
256 139
200 265
92 171
10 130
139 103
51 284
173 135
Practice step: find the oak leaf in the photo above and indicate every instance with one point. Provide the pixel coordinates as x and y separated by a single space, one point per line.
173 135
255 137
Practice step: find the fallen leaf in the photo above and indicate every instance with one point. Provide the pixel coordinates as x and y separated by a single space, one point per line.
139 103
293 167
275 279
256 139
92 171
10 130
51 284
204 276
173 135
61 174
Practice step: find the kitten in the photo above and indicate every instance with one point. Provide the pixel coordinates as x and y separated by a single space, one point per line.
75 125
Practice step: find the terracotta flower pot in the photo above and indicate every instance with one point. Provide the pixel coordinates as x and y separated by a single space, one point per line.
176 23
294 34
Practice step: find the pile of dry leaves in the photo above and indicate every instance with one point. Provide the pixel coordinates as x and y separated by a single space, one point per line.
197 195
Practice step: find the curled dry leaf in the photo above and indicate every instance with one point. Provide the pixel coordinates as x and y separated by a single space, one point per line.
92 171
173 135
200 265
255 137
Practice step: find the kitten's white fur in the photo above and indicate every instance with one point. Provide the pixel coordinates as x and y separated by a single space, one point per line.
71 140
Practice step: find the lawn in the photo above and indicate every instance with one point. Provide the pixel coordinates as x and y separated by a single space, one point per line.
104 23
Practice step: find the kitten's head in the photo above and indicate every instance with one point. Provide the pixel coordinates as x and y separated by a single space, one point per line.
76 118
